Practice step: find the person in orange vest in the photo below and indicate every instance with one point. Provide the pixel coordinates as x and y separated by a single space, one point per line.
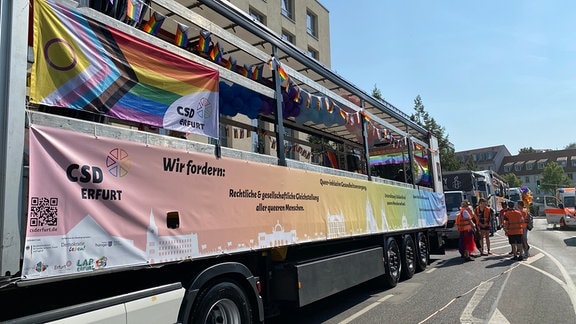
514 228
501 215
466 226
484 215
526 219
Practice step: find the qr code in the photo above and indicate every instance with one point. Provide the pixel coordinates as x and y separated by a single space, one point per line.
43 211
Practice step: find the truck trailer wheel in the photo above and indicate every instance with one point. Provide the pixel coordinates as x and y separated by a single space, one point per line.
408 253
393 263
223 303
423 252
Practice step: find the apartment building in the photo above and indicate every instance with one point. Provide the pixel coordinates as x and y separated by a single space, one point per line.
304 23
486 158
528 167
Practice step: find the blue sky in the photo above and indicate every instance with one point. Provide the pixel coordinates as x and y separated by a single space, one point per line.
489 72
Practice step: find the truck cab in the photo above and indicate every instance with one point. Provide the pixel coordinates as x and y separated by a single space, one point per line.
453 201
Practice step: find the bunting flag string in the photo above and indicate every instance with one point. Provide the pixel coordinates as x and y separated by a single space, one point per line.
215 52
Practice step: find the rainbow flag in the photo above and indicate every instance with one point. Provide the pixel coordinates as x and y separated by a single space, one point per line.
153 25
216 53
229 63
257 73
181 37
245 70
204 42
117 75
282 74
134 9
297 96
330 160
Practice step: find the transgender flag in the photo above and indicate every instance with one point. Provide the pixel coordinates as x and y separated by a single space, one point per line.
81 64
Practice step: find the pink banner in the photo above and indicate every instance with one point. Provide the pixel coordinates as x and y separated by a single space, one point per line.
99 203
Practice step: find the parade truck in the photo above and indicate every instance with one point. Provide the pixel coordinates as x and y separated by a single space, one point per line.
458 186
179 162
494 189
469 185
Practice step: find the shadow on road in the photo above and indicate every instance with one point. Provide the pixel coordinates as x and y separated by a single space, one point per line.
570 241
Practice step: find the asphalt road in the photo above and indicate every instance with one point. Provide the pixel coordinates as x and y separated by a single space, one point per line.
491 289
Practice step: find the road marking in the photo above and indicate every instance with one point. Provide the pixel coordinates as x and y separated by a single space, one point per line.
534 258
365 309
567 285
431 270
479 294
498 318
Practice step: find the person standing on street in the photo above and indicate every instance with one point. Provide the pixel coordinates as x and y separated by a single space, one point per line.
501 216
484 214
465 224
513 226
526 219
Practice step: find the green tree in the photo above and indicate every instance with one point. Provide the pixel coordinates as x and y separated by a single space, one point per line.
527 150
448 158
512 179
570 146
553 176
376 93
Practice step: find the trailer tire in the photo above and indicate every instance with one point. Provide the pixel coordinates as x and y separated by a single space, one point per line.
423 252
393 263
224 302
408 253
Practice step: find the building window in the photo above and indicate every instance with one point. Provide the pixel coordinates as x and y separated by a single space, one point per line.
288 8
574 161
529 166
311 24
312 53
256 15
526 179
287 36
518 167
570 176
507 168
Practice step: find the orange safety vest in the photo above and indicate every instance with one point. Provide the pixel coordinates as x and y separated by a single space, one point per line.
464 224
486 219
514 222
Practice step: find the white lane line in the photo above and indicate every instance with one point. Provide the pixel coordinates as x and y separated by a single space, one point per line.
431 270
495 316
498 318
569 286
534 258
479 294
365 309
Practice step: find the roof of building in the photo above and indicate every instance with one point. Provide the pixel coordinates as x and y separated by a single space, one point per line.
525 159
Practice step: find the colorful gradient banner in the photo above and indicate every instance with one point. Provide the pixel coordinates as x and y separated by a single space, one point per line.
98 203
84 65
